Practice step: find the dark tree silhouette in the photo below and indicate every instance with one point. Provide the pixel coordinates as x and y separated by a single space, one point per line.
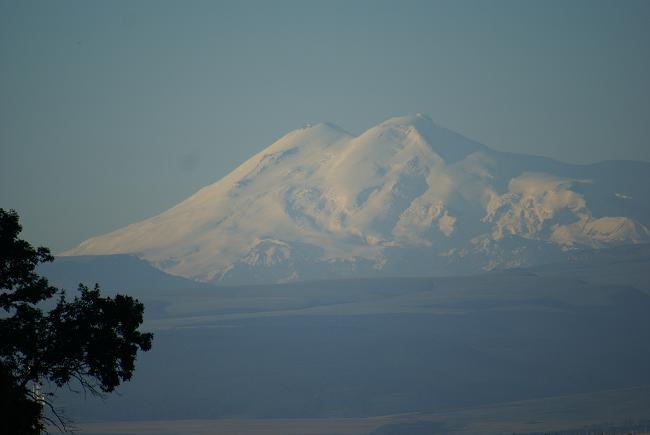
90 341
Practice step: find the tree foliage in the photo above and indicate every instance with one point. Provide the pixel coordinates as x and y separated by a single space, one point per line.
90 340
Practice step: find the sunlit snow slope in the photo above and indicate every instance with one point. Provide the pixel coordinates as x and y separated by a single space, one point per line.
406 197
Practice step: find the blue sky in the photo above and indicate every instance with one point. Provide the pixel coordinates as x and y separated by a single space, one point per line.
111 112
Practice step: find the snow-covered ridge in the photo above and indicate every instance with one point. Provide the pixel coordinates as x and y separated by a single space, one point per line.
405 197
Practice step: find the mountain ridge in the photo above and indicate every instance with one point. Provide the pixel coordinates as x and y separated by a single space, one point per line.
406 195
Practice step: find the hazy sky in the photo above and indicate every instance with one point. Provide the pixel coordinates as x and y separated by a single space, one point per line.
111 112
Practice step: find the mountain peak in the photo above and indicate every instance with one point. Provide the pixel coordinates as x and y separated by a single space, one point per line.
448 144
323 126
417 120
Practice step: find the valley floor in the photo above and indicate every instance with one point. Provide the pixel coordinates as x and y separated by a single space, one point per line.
612 412
560 349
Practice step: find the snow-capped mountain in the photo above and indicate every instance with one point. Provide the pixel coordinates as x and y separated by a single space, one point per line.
406 197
